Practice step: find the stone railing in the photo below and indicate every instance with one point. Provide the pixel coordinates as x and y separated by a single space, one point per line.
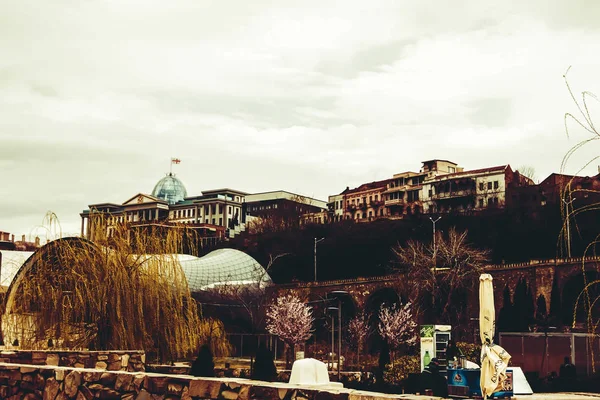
124 360
19 381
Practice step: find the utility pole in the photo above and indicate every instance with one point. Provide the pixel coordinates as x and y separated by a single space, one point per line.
316 242
567 204
434 248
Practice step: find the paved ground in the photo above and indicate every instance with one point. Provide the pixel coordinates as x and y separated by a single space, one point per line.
559 396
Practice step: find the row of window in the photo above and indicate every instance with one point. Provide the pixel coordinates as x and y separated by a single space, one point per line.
261 208
482 185
414 181
208 209
357 200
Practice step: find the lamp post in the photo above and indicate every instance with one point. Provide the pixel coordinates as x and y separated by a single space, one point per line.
567 204
434 248
316 242
332 337
337 293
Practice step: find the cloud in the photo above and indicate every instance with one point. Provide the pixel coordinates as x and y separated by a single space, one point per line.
307 96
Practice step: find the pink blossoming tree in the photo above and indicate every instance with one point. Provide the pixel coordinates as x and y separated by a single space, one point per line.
290 319
358 327
397 326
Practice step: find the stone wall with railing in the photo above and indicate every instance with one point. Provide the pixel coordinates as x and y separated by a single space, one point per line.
120 360
20 381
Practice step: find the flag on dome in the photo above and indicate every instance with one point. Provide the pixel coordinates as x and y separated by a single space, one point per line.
175 160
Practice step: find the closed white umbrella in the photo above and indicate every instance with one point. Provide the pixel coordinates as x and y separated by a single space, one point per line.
494 359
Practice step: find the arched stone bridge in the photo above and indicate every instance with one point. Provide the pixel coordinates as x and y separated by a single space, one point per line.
539 275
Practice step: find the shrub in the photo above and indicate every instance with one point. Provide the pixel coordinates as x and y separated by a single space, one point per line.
204 364
471 351
398 371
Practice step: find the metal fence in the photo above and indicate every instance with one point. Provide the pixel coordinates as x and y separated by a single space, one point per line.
545 352
245 344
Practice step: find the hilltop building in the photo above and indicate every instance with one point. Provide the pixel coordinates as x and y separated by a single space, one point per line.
214 214
440 186
8 242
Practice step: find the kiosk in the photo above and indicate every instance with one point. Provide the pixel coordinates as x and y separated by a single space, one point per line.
465 383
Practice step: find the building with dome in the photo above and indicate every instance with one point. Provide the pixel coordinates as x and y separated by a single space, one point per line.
214 214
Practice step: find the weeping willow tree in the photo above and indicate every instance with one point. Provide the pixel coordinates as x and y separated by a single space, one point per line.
588 300
126 290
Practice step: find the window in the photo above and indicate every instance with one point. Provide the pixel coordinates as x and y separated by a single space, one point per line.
220 221
376 197
229 208
370 199
381 212
430 192
480 203
480 185
495 184
489 185
451 170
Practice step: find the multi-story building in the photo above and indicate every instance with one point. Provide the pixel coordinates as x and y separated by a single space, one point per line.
402 196
215 213
8 242
555 191
282 210
468 191
440 186
366 202
335 204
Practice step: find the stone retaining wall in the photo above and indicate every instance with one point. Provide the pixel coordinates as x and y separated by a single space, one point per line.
122 360
28 382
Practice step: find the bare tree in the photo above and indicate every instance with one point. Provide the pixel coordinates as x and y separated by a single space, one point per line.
290 319
442 273
528 171
397 326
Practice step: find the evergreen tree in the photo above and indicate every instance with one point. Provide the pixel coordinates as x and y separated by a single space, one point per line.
555 314
506 320
264 367
204 364
540 312
523 306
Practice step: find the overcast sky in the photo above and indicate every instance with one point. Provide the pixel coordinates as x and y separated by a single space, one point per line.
305 96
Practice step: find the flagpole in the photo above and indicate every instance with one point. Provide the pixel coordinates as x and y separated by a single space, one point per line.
171 166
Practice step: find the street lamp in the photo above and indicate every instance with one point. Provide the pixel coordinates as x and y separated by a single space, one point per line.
434 248
316 242
567 204
338 293
330 359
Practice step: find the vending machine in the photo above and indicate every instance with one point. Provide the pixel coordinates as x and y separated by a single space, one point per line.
434 340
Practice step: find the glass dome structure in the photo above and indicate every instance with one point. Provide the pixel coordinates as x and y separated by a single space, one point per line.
170 189
222 267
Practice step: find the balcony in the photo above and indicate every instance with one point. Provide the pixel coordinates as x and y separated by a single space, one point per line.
394 202
376 203
363 206
453 194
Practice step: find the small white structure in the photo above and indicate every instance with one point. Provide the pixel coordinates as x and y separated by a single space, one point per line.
309 371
